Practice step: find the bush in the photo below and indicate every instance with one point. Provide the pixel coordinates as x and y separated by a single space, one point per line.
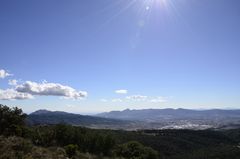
14 147
135 150
71 150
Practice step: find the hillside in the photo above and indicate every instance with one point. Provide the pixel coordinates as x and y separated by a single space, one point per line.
18 140
56 117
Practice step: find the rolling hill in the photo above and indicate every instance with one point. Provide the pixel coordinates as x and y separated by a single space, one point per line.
45 117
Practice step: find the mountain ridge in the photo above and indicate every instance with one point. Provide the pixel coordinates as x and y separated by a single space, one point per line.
46 117
143 119
179 118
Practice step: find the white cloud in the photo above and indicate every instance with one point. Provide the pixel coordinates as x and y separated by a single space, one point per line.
137 97
4 74
50 89
121 91
12 82
158 100
11 94
117 100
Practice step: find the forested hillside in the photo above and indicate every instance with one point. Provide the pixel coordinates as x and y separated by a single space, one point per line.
46 117
60 141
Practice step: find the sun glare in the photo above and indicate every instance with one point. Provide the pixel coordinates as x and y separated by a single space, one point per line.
149 5
158 3
162 2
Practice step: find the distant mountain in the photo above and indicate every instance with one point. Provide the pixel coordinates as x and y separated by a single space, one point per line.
165 114
143 119
179 118
41 111
46 117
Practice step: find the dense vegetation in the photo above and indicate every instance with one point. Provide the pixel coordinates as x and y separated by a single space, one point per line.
60 141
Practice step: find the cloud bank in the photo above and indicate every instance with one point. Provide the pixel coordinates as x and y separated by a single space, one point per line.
50 89
4 73
11 94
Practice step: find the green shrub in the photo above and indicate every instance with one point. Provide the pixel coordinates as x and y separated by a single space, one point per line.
71 150
135 150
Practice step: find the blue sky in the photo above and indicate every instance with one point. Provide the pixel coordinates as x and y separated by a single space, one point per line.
74 55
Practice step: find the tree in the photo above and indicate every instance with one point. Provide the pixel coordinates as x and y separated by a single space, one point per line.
64 134
12 120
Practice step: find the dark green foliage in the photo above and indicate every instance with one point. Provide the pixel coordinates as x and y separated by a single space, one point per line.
135 150
233 134
173 143
87 140
43 136
71 150
64 134
11 121
20 148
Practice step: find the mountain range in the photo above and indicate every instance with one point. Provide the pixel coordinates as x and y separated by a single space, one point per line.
157 115
46 117
143 119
